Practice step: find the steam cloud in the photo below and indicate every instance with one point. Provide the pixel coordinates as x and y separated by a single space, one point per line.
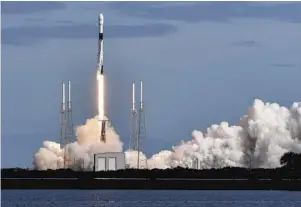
259 140
80 153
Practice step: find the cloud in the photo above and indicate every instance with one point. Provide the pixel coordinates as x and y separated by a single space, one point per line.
34 19
283 65
30 7
43 20
33 34
65 22
210 11
246 43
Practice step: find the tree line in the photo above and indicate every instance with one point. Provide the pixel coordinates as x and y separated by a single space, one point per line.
291 169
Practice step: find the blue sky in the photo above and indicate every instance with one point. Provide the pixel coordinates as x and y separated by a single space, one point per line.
201 63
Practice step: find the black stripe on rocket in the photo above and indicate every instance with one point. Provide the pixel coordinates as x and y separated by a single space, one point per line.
100 37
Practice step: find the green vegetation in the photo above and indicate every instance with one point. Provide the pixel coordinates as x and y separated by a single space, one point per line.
291 169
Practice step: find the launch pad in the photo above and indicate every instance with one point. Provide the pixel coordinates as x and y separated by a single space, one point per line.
138 118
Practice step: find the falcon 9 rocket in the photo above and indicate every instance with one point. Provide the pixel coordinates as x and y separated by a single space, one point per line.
100 80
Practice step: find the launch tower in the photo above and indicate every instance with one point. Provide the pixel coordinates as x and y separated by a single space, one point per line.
141 161
138 129
66 122
133 145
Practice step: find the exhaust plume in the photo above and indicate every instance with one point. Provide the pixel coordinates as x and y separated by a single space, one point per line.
80 154
259 140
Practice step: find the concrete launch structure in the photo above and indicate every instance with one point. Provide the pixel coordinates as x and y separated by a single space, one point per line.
109 161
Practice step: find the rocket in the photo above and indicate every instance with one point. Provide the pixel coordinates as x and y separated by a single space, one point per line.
100 44
100 76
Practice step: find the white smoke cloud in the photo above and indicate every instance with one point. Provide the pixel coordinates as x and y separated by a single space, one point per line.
260 138
131 158
160 160
258 141
80 154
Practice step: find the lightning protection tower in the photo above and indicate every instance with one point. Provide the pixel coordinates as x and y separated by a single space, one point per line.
138 132
66 123
63 117
69 126
133 145
141 161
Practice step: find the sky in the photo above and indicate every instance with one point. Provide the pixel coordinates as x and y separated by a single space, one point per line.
201 63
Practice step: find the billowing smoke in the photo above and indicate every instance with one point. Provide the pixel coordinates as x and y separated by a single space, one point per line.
79 155
258 141
131 158
260 138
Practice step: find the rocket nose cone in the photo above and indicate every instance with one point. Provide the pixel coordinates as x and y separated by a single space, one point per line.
100 19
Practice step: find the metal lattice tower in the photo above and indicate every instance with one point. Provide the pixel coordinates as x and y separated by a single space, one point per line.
138 132
66 123
141 161
69 126
63 117
133 145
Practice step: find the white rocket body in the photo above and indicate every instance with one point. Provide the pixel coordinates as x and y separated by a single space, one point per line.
100 80
99 73
100 45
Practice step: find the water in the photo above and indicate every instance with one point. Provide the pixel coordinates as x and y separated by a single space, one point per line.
149 198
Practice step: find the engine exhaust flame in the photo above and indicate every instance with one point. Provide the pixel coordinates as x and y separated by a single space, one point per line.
100 107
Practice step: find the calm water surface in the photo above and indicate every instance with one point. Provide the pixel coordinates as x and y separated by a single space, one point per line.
148 198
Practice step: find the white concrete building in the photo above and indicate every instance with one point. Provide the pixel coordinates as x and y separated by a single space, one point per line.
109 161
